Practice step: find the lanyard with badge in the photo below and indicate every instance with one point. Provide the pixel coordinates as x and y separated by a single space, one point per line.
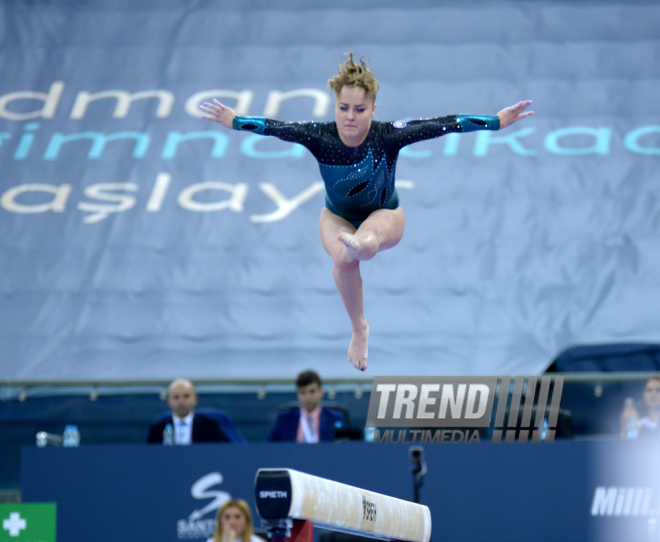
308 433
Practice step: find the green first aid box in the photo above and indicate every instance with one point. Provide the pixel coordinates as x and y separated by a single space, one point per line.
30 522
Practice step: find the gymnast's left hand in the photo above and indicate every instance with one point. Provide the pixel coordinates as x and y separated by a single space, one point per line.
219 113
514 113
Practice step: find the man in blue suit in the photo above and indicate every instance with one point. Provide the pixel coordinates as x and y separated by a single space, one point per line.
309 422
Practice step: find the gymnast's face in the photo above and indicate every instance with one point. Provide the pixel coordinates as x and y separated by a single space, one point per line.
353 113
234 520
310 396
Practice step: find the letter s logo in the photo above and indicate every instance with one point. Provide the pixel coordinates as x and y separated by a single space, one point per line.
200 490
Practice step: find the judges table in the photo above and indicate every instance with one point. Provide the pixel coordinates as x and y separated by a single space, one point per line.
600 491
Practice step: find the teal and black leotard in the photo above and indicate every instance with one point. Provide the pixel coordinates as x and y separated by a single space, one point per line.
360 180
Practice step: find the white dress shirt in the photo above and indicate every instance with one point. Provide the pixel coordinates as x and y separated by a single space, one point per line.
183 429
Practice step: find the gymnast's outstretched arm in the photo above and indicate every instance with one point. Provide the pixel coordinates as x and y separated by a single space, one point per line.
304 133
405 132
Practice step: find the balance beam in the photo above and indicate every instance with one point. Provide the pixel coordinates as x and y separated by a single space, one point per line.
282 494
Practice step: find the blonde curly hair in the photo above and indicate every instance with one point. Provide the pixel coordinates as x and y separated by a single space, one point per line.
354 75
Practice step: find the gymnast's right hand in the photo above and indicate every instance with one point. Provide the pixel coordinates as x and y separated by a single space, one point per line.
219 113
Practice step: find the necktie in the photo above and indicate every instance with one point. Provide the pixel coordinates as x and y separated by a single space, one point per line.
182 428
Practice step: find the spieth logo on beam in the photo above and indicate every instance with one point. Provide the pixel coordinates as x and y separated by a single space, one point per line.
466 403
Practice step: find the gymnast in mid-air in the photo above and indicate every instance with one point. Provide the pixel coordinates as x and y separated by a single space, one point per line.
357 158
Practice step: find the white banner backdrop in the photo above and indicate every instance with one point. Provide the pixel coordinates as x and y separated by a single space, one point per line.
138 241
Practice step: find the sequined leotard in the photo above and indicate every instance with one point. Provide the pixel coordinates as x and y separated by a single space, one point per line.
360 180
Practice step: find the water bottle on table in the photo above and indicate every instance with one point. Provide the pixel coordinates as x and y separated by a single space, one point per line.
168 435
71 436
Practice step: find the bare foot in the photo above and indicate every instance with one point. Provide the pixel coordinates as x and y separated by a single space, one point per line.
351 246
357 350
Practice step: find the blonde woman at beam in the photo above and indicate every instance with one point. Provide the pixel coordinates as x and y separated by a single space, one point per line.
234 523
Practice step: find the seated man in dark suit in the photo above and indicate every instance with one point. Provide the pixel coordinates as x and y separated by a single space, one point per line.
188 427
309 422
